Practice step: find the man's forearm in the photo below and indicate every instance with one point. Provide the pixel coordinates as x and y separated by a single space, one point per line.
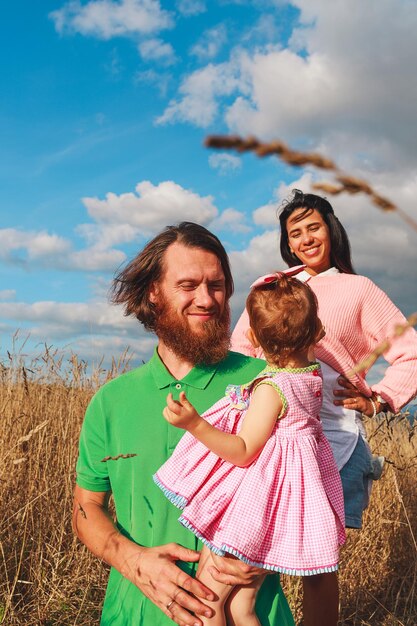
153 570
95 528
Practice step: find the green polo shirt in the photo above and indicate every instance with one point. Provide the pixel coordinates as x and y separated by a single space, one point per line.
125 418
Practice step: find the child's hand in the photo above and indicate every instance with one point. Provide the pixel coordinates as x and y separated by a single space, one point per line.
181 413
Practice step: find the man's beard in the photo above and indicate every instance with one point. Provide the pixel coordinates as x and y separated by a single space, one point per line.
206 347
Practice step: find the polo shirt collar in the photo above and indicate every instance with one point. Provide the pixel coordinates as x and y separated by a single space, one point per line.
199 377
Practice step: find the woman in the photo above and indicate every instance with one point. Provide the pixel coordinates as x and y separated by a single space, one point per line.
357 316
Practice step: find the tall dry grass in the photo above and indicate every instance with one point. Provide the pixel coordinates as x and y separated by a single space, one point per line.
378 569
47 578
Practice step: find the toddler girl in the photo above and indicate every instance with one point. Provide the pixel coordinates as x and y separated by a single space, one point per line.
255 476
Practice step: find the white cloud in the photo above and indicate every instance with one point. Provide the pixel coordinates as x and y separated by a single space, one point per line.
67 318
90 330
225 162
157 50
95 259
133 349
231 220
23 246
114 66
260 256
285 94
106 19
104 236
339 83
191 7
7 294
199 93
339 78
43 245
210 43
159 80
152 207
264 30
267 215
30 248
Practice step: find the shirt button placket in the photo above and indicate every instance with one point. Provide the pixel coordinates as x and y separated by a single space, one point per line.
174 434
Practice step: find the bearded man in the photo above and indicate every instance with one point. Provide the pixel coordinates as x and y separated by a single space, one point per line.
179 287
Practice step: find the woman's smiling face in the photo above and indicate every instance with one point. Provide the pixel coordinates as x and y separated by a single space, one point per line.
309 240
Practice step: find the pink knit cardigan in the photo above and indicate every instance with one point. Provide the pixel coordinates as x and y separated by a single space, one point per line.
357 316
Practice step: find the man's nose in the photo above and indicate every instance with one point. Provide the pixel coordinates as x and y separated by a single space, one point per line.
203 296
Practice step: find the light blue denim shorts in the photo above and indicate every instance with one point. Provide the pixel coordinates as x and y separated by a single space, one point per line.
356 476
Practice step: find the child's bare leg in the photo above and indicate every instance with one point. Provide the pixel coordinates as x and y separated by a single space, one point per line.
321 600
240 607
221 590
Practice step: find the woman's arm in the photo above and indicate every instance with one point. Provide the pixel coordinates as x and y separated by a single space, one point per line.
380 317
399 384
264 409
350 397
358 317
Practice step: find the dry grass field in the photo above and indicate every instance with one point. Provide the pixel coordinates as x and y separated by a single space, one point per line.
47 577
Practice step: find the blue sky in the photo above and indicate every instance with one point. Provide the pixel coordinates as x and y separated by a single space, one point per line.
104 109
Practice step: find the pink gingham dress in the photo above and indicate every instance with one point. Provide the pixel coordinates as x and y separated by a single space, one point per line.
284 512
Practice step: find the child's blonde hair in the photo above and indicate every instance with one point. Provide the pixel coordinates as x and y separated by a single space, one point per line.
283 317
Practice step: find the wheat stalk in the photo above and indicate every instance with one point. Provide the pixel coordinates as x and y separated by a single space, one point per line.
346 183
368 361
116 458
32 432
397 489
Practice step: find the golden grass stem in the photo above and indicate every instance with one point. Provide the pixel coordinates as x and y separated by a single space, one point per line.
346 183
369 360
397 489
397 621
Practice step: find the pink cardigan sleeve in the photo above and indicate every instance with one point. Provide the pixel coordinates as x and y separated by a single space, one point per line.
359 316
240 343
399 384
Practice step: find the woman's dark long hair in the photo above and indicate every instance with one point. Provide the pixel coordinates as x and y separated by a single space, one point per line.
340 255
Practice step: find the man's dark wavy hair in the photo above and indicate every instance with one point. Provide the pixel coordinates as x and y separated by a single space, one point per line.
131 285
340 254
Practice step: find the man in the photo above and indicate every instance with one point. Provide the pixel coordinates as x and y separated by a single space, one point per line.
178 287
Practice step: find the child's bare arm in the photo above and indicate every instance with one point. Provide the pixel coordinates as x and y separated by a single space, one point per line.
241 449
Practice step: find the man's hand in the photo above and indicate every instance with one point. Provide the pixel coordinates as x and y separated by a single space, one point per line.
231 571
153 570
181 413
176 593
353 399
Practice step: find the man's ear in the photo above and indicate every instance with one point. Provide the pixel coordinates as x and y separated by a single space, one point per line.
252 338
153 293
